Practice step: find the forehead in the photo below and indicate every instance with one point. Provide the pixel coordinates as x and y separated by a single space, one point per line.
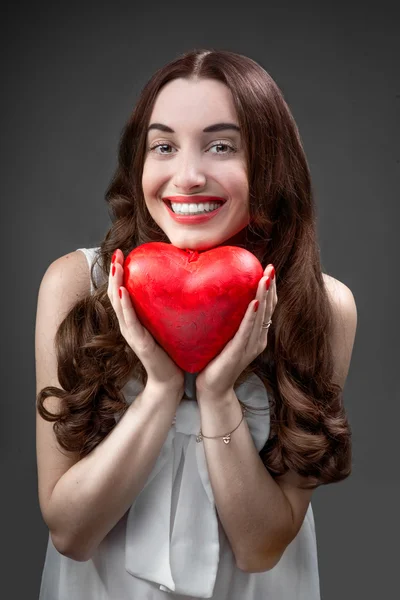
199 103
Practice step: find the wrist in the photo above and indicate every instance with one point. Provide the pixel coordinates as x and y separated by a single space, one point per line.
220 415
222 397
172 391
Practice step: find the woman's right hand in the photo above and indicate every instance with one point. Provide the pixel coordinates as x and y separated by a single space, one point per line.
161 369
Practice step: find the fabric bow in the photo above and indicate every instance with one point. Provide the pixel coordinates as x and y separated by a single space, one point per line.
172 535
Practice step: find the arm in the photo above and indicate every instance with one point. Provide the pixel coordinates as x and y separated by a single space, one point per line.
94 494
262 515
254 511
81 500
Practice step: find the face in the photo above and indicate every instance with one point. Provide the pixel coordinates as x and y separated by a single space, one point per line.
195 164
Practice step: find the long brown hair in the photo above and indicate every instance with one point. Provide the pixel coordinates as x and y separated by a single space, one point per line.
309 429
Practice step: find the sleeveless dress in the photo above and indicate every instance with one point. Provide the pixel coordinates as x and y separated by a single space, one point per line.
170 543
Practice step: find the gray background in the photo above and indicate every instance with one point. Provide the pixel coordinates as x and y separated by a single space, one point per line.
70 77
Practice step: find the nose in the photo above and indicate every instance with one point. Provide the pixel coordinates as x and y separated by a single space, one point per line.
189 174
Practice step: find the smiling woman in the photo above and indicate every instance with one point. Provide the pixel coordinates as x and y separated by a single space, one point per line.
154 484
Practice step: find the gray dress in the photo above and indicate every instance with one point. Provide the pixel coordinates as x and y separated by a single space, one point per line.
170 543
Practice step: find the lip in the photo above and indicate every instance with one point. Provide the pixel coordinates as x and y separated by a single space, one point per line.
193 200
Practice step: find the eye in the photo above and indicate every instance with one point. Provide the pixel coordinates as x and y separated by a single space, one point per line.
161 147
226 148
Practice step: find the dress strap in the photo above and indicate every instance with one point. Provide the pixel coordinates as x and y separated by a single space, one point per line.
91 254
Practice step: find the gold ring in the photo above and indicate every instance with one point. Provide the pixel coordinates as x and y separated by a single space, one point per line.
266 325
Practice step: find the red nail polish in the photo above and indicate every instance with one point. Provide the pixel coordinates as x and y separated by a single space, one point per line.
272 274
268 283
114 256
256 306
113 271
120 292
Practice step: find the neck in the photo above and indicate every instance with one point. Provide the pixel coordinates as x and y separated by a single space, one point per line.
239 239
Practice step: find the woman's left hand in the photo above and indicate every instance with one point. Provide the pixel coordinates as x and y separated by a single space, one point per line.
220 375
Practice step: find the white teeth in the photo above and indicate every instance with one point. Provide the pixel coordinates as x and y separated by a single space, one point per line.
191 209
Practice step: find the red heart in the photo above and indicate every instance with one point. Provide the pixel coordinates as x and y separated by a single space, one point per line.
192 303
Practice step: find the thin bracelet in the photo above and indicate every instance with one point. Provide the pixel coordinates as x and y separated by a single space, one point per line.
226 437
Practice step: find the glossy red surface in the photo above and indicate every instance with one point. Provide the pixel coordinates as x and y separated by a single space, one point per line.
191 302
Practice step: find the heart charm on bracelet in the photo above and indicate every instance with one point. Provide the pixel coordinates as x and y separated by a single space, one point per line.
227 438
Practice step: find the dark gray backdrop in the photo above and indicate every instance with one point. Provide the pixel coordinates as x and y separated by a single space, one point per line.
70 77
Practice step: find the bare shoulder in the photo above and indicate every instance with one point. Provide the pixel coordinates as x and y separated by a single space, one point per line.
341 297
344 312
70 273
333 284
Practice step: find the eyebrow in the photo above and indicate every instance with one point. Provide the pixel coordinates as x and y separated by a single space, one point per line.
209 129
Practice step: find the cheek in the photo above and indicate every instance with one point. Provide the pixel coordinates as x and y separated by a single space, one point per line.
147 179
235 179
151 174
239 187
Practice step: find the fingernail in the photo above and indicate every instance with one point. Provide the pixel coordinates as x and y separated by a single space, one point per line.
120 292
272 274
113 270
256 306
268 283
114 256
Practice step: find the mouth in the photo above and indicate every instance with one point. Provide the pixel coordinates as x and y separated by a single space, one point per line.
194 205
193 209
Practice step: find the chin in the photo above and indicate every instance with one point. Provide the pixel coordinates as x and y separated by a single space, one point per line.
200 246
205 246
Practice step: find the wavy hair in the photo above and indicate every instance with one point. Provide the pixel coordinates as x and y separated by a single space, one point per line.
309 431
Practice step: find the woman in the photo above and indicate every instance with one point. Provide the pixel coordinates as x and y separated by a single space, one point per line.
140 491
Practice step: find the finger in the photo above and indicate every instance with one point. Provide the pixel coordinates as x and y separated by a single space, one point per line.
268 269
268 301
275 300
269 309
258 318
246 336
117 257
270 296
115 282
128 312
137 336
